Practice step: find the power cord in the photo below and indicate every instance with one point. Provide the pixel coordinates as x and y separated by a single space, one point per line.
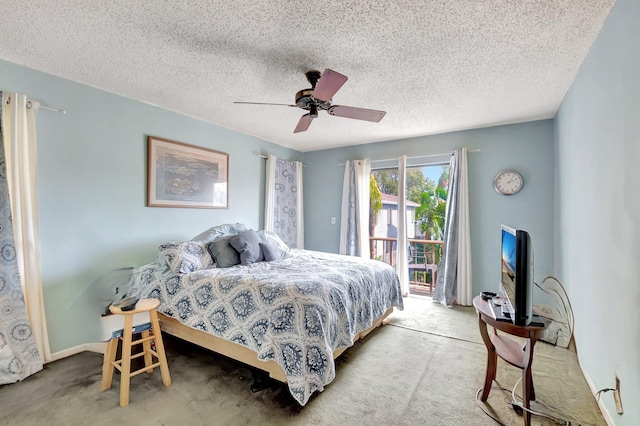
515 403
552 286
495 419
602 390
517 406
497 386
566 306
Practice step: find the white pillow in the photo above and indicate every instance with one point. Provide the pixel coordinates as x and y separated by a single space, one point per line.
221 231
185 257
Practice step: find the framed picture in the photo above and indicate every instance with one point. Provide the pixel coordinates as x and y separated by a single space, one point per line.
181 175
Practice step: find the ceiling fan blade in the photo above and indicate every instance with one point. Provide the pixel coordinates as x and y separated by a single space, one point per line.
330 82
303 124
263 103
357 113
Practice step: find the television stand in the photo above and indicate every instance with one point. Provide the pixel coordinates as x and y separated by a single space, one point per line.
507 349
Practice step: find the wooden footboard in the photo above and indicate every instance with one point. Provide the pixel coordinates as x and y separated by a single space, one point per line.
238 352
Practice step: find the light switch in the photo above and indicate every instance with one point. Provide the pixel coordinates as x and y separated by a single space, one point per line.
333 220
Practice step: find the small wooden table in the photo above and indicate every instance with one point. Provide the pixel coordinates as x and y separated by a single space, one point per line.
508 350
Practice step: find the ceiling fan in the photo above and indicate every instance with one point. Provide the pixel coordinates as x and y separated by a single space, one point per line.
318 97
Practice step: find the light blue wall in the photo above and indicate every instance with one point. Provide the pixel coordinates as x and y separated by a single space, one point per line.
92 189
526 147
598 208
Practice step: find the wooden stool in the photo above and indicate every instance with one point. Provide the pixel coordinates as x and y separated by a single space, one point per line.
124 364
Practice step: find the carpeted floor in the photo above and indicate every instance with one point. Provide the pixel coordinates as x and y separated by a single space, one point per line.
561 390
424 367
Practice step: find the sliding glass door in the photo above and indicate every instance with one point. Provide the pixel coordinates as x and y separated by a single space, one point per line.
426 196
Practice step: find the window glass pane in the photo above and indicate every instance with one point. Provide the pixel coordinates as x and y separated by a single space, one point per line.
426 194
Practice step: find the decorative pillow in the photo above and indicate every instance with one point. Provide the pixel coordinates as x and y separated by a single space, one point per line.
272 238
223 253
220 231
185 257
271 252
247 244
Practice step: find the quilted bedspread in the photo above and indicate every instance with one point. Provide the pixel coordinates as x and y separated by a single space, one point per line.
295 311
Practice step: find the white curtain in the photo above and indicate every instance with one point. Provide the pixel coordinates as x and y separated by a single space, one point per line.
24 344
454 278
402 261
283 201
464 283
354 221
269 192
21 148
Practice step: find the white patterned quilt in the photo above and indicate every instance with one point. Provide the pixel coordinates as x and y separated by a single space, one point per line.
295 311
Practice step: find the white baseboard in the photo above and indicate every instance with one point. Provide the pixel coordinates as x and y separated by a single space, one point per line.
98 347
603 408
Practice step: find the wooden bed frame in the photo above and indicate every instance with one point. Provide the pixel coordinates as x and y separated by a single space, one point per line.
238 352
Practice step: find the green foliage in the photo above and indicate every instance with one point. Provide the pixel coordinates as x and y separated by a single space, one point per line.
417 184
432 197
375 198
432 213
443 182
387 181
375 204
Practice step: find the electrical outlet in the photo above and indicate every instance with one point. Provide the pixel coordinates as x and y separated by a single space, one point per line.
616 396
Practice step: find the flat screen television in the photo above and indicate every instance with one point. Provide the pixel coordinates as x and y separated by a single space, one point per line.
516 284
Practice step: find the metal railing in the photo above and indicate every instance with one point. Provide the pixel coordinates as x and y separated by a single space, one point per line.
423 257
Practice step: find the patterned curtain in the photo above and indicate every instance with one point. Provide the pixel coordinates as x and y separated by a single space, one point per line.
283 212
19 356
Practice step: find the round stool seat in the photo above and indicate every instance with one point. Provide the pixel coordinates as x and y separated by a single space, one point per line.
150 334
143 305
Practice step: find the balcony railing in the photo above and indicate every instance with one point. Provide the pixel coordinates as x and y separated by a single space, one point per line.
423 257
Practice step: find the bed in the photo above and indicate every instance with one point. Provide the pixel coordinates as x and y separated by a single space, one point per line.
289 316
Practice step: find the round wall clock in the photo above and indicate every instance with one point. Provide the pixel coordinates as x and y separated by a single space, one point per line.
508 182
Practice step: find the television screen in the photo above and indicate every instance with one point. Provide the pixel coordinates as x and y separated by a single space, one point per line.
517 274
509 266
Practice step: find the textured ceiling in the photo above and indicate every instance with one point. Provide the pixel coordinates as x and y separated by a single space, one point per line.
433 66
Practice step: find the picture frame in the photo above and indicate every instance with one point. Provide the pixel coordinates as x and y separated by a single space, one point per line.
187 176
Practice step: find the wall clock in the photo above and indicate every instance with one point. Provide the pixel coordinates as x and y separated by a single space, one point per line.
508 182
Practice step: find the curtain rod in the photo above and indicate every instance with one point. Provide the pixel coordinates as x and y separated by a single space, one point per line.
29 105
416 156
265 157
62 111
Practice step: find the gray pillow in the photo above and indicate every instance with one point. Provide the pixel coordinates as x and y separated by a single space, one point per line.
248 245
223 253
271 252
220 231
272 238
